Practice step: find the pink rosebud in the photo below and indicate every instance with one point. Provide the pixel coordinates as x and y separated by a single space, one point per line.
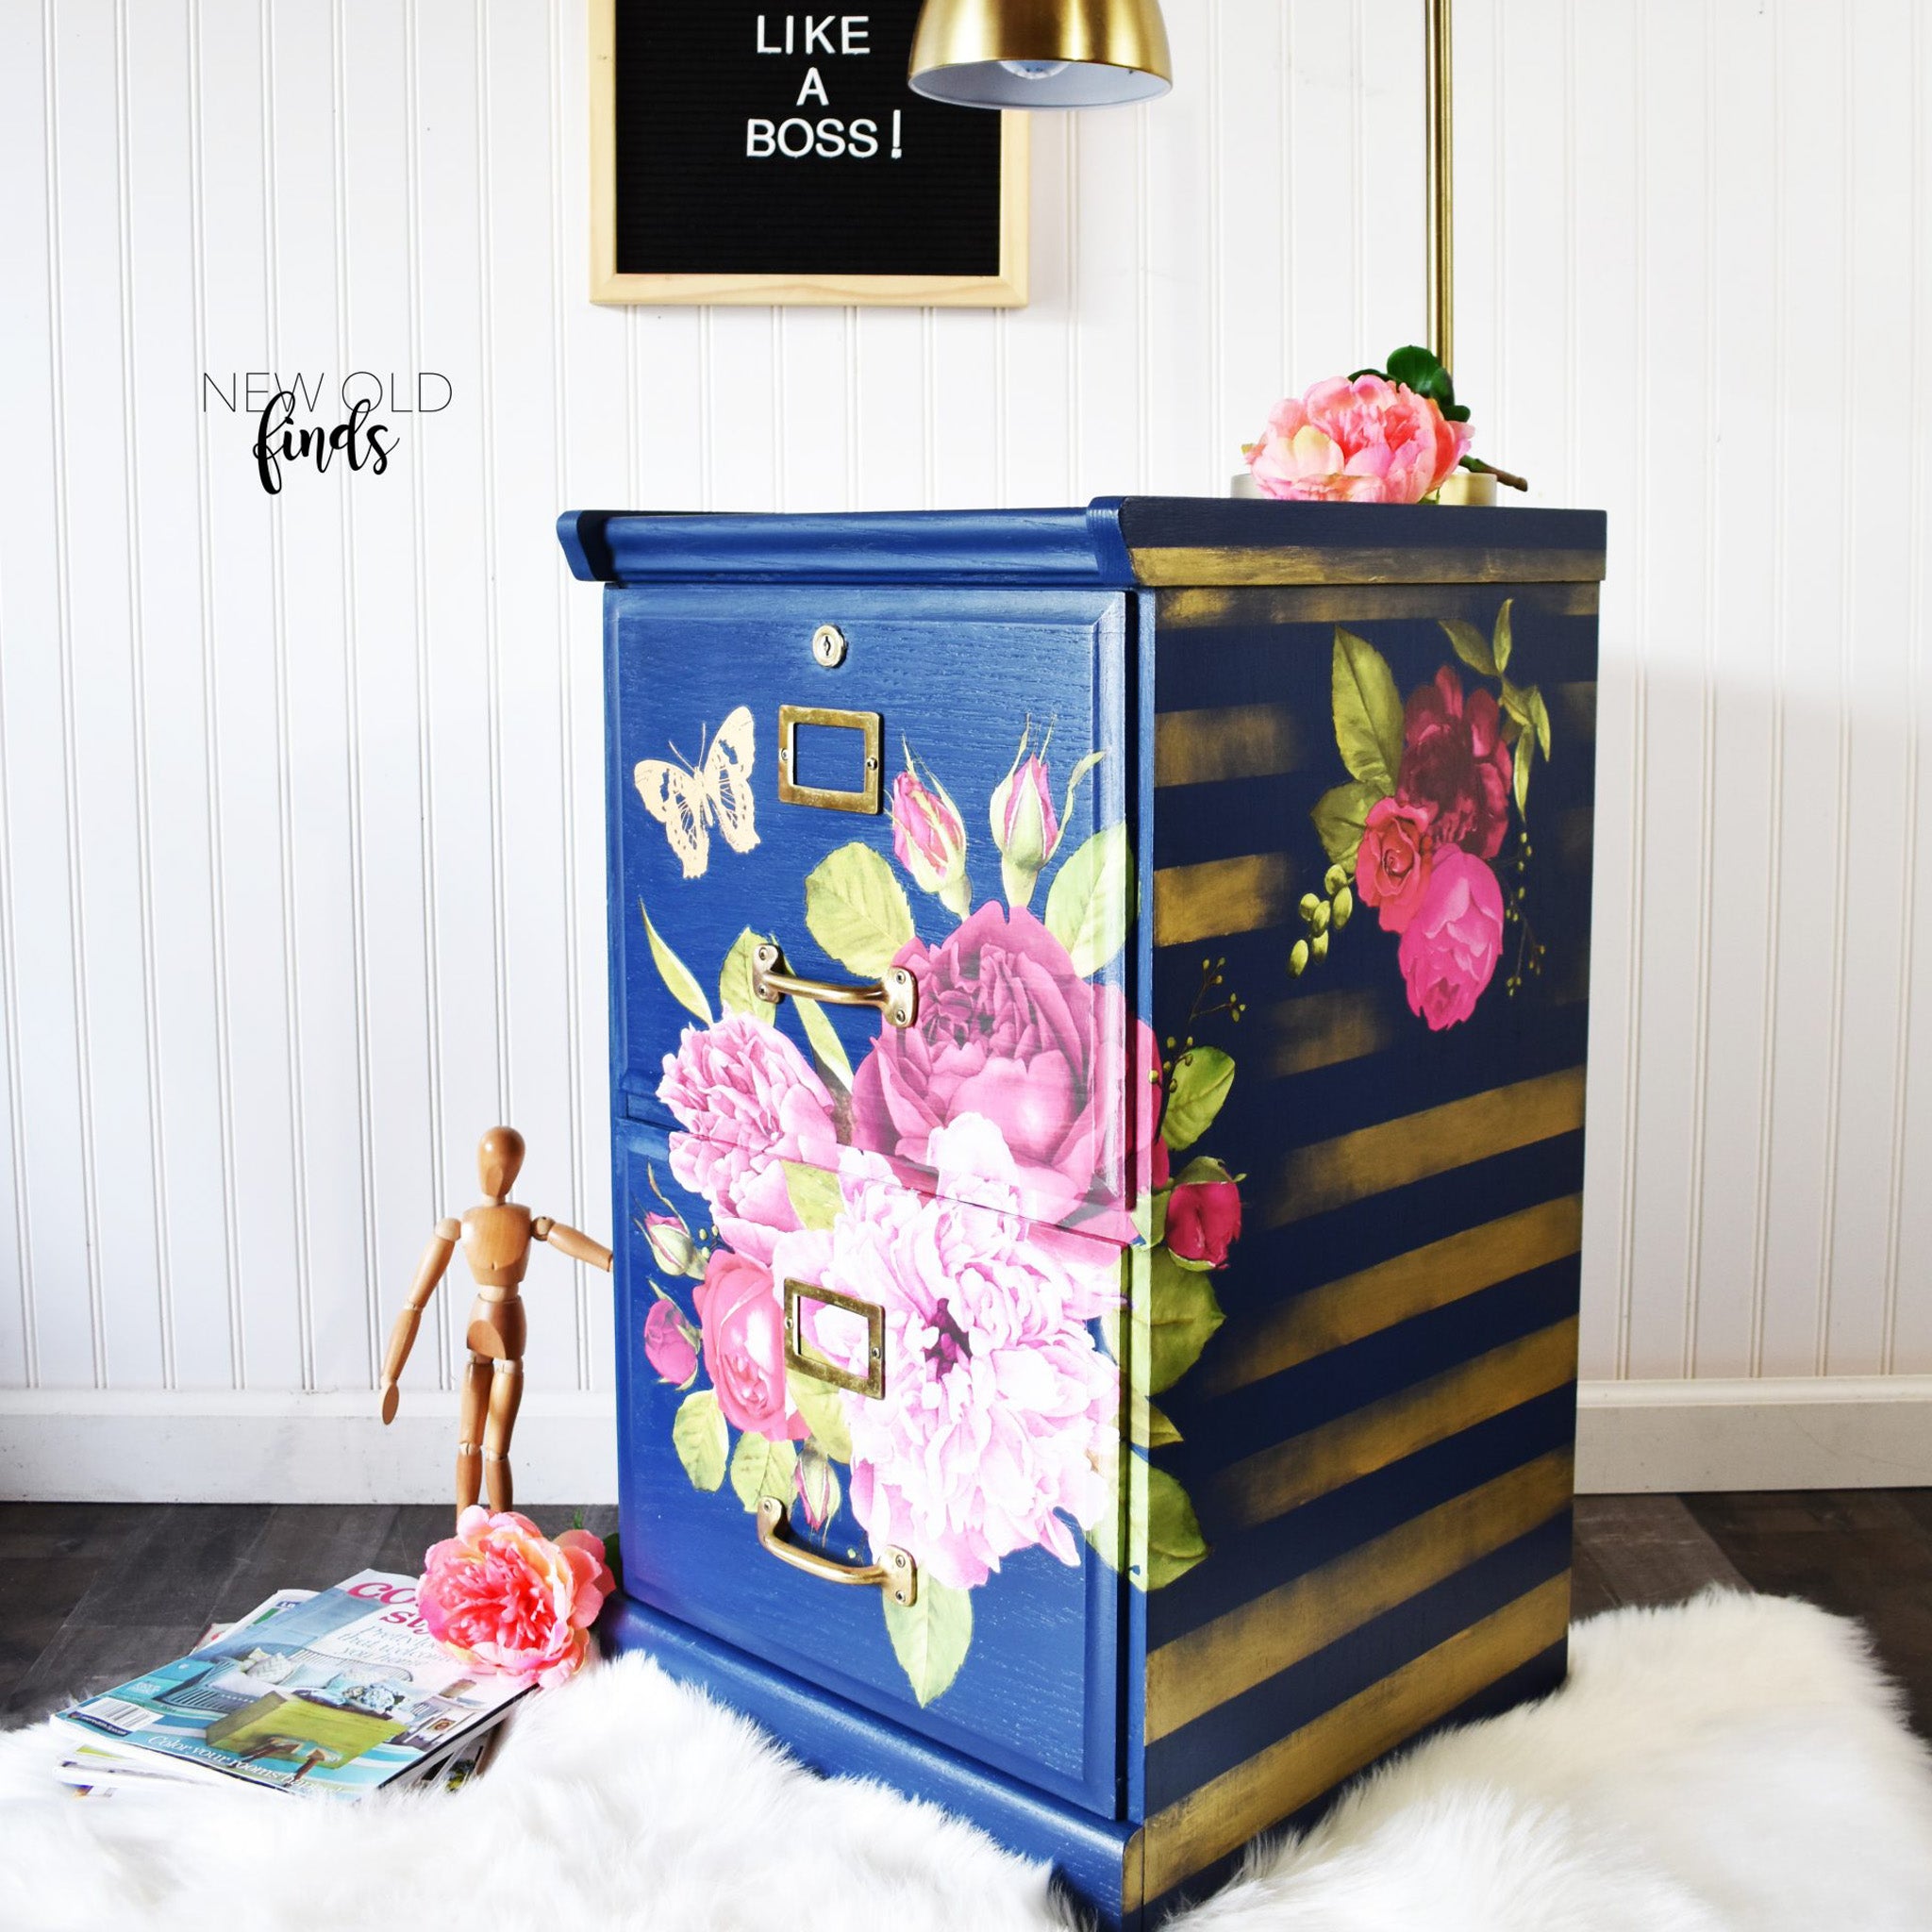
511 1603
671 1345
670 1242
1450 947
929 838
1369 440
1204 1215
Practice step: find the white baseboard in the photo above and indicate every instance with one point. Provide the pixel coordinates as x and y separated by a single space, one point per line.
154 1447
1824 1432
161 1446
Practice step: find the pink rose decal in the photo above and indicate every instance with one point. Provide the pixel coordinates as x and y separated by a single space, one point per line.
1455 761
1204 1219
1008 1031
1369 440
511 1603
1450 947
669 1345
929 838
1000 1407
1391 866
745 1346
749 1101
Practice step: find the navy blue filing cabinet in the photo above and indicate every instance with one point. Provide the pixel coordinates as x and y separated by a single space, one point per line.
1098 1004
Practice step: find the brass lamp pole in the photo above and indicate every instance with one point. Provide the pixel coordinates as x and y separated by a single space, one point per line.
1442 185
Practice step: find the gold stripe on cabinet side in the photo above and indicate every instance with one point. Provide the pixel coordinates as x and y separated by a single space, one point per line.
1217 742
1262 607
1220 897
1272 1633
1133 1875
1225 1813
1306 563
1392 1153
1365 1303
1322 1029
1273 1481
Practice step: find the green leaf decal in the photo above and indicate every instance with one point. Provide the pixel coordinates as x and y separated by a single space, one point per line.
702 1441
1201 1078
1152 1428
824 1411
814 1194
826 1046
1505 640
930 1636
1524 753
1182 1316
1089 905
1339 816
858 910
760 1467
679 981
1471 645
1368 711
734 982
1539 716
1174 1542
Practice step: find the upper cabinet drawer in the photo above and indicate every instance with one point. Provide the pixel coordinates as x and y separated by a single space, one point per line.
918 793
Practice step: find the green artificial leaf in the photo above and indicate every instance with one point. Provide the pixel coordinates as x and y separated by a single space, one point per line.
613 1557
702 1441
1471 645
824 1411
1089 902
1174 1542
1505 641
679 981
734 982
1182 1317
814 1194
1195 1091
1340 815
930 1636
827 1048
858 910
818 1487
1524 751
760 1467
1368 711
1421 369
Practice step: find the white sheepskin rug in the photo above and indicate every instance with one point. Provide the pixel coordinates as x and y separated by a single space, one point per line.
1734 1765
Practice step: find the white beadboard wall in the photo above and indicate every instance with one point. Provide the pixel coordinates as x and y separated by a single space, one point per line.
300 825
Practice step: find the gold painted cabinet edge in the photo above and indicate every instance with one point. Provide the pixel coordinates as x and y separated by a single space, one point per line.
1007 290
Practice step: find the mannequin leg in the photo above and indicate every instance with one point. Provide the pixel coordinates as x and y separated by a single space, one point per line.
475 1404
506 1393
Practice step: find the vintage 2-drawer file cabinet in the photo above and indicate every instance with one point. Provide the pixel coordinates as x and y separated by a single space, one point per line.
1098 1002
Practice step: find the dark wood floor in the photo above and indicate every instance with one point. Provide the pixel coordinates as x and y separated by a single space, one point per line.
91 1593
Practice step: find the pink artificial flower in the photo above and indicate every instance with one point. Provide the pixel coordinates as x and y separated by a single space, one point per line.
670 1346
1454 760
1450 947
1203 1220
1369 440
1391 864
745 1346
750 1102
1008 1030
511 1603
999 1410
929 838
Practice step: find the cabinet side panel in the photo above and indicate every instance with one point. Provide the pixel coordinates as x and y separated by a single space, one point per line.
1364 1307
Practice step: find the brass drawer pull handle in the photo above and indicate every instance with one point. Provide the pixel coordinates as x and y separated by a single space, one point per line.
897 1575
894 994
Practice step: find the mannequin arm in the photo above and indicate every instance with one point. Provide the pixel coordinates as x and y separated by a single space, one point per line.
430 1272
579 1247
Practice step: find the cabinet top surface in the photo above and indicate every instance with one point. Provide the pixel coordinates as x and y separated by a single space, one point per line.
1119 542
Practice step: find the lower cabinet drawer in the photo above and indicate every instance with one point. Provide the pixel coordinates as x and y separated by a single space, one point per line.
875 1380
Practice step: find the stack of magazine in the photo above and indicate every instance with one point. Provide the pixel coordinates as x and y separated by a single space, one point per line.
335 1693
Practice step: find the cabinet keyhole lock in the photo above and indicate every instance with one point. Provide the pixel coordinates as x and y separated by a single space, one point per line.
828 646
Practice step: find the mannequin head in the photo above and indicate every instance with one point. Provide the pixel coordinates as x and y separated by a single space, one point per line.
499 1158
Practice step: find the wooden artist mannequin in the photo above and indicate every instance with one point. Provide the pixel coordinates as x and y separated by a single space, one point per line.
495 1235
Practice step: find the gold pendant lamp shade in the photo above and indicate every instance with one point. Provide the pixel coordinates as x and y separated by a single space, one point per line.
1041 53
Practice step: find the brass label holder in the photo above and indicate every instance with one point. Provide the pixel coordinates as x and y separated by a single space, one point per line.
873 1383
866 799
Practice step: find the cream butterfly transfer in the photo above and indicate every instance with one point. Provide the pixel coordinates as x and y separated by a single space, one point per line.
684 798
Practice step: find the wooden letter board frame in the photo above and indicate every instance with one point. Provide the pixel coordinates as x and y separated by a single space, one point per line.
1006 290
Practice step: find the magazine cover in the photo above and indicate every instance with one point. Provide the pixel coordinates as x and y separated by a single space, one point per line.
339 1695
